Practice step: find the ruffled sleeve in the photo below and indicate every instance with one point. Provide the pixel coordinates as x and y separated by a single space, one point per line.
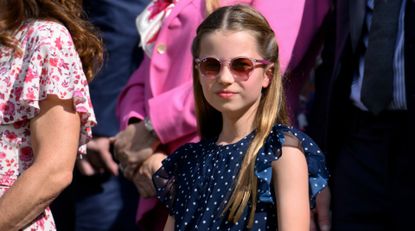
285 136
53 67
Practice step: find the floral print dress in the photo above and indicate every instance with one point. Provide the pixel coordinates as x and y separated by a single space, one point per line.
47 64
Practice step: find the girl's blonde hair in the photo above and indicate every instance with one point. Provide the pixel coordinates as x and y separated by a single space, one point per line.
271 108
68 12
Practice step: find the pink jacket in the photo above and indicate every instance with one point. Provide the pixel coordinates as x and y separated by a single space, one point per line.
161 88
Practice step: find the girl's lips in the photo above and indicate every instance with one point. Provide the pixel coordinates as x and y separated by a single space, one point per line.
225 94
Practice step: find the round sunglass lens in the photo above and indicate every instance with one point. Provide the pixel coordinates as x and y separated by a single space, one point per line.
242 67
210 67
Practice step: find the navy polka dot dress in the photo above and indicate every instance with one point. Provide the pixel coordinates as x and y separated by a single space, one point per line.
196 181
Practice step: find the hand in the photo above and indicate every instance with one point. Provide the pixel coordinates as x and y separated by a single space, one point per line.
321 214
133 146
143 177
98 159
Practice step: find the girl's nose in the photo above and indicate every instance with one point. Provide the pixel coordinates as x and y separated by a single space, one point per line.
225 76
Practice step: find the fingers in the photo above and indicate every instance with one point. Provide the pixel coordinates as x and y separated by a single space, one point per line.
144 185
99 156
146 190
143 179
312 223
121 168
131 159
94 161
323 210
129 170
108 162
323 220
85 168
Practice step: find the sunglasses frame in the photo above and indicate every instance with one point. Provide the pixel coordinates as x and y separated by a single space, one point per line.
228 62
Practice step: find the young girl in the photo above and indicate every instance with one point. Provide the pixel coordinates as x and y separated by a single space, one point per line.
250 170
47 55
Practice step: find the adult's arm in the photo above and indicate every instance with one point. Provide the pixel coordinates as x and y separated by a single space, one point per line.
55 137
133 144
172 116
131 102
171 112
166 79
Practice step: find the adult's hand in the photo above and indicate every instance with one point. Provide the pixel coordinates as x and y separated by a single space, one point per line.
98 158
133 146
320 216
143 177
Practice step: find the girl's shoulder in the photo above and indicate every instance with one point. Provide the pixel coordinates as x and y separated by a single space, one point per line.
290 136
286 136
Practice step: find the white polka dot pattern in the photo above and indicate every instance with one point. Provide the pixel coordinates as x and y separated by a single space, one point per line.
195 182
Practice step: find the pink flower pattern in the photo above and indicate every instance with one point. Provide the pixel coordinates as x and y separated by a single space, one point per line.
48 65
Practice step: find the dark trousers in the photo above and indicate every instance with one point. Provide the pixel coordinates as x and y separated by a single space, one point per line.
374 174
97 203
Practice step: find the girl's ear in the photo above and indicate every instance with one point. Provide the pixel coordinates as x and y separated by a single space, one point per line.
269 74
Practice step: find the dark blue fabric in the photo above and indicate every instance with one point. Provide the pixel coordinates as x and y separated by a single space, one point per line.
105 203
96 203
196 181
116 21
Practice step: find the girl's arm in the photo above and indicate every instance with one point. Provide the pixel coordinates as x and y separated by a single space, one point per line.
290 178
55 137
169 224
